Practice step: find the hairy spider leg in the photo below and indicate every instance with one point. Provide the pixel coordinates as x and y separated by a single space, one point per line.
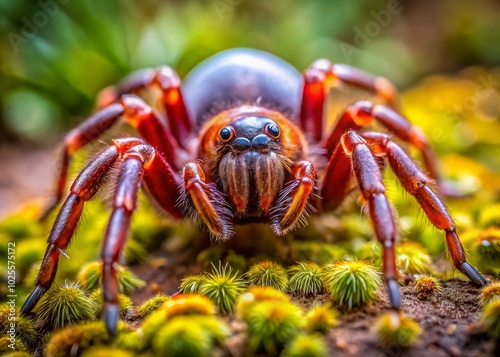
134 111
417 184
354 155
139 161
321 75
167 79
364 113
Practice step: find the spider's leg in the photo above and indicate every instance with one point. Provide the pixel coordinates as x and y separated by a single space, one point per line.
84 188
416 183
165 78
364 113
133 110
204 202
292 203
321 75
354 153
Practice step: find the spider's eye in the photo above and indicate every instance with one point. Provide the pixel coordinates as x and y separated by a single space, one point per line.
272 130
226 133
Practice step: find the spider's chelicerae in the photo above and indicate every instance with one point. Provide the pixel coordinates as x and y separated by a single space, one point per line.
234 144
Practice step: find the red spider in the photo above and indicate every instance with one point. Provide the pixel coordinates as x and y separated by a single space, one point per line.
237 147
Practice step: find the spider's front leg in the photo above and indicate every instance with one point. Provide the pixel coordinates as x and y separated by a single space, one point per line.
354 155
416 183
138 162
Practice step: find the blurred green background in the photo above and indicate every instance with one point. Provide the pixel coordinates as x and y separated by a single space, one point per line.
57 55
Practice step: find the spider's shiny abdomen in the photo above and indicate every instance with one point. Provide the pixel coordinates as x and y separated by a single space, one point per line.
242 76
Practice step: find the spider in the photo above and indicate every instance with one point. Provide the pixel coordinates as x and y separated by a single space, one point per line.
244 141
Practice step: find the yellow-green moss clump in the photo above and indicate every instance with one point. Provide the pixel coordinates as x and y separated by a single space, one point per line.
65 304
272 325
306 345
24 329
268 273
151 305
257 294
191 284
320 318
393 327
412 258
223 288
352 283
124 303
305 279
426 286
89 277
490 318
490 293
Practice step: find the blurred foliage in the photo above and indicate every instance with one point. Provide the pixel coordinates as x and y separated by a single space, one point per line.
57 54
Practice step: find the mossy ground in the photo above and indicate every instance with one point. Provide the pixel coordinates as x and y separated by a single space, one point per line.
449 318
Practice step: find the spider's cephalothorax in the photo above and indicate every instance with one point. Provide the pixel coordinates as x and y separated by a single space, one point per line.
238 131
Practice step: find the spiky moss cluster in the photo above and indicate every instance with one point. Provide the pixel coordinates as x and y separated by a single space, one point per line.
352 283
272 325
490 293
124 303
427 286
490 216
393 327
191 284
268 273
103 351
7 345
490 318
90 276
306 345
255 295
65 304
320 318
184 326
488 249
24 328
151 305
222 287
413 258
79 337
305 279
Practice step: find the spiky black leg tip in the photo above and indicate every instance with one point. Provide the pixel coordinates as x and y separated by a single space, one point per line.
394 294
472 273
110 315
32 300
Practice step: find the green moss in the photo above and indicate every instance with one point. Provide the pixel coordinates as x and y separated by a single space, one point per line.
490 318
306 345
320 253
223 288
305 279
268 273
104 351
76 337
256 294
90 277
393 327
191 284
320 318
271 325
427 286
65 304
412 258
352 283
24 327
151 305
490 293
488 248
490 216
